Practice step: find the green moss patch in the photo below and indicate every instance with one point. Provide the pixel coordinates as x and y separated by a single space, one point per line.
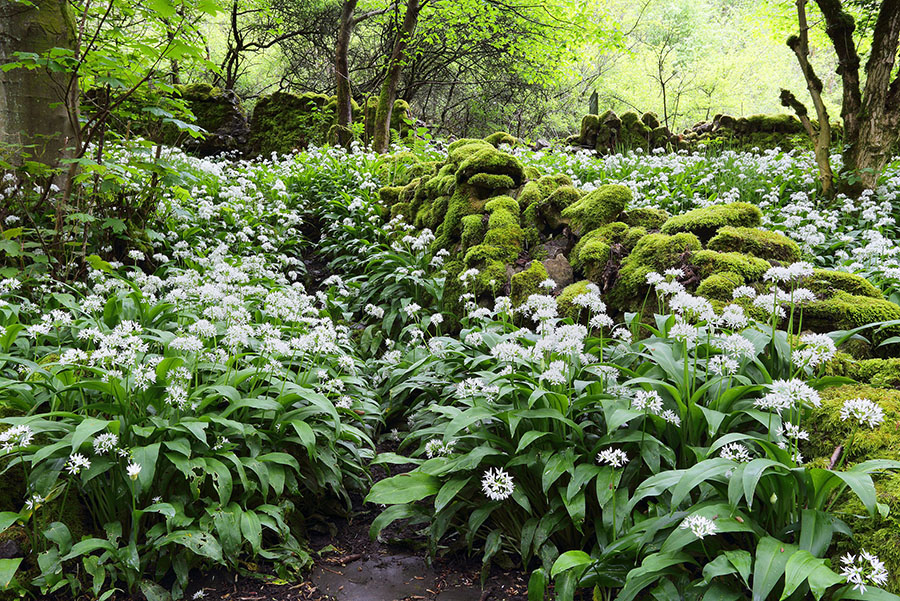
759 243
598 208
705 222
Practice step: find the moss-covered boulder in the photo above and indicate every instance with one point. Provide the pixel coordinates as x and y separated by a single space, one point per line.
753 241
221 114
501 137
477 157
884 373
825 282
845 311
653 252
565 304
528 282
645 217
545 214
283 122
706 222
709 262
597 208
592 252
720 286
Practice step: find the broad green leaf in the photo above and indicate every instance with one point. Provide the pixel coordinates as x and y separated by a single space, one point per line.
403 488
569 560
771 558
8 569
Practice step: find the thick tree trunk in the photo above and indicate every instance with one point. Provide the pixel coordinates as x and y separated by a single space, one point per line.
38 109
342 74
395 66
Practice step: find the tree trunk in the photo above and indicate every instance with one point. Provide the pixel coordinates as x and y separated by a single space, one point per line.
395 66
38 109
342 75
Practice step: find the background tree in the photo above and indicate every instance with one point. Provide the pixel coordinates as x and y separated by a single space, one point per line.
38 106
870 111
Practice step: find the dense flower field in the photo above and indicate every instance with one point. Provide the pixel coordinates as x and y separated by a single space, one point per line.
205 392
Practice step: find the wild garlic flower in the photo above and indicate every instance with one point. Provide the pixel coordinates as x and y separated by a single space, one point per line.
34 501
736 346
548 284
722 365
817 349
438 448
474 339
701 526
866 412
497 484
133 470
104 443
555 373
76 463
647 400
790 430
14 437
735 451
863 569
613 457
411 309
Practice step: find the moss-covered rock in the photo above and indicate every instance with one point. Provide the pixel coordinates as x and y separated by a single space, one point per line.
646 217
709 262
545 214
282 122
528 282
482 158
220 113
592 251
845 311
720 286
825 282
706 221
565 304
473 229
501 137
653 252
464 201
759 243
884 373
598 208
492 181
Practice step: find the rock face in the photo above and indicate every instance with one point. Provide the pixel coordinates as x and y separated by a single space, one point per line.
609 133
560 271
221 114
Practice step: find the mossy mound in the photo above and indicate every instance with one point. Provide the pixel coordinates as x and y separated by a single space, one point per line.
501 137
565 304
759 243
827 430
478 157
592 252
646 217
825 282
545 214
720 286
845 311
653 252
598 208
528 282
884 373
706 221
709 262
283 122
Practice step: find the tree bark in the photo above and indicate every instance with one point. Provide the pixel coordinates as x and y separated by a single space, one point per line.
342 74
395 67
38 109
821 136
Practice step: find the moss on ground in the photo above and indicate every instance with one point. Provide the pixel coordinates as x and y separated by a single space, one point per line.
720 286
825 282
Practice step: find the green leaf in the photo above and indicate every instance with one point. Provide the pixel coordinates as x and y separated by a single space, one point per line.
537 585
448 492
87 428
404 488
771 558
8 569
7 519
251 528
154 592
569 560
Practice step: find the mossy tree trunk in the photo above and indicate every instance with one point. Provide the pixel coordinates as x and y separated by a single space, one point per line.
38 108
392 78
871 114
342 74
